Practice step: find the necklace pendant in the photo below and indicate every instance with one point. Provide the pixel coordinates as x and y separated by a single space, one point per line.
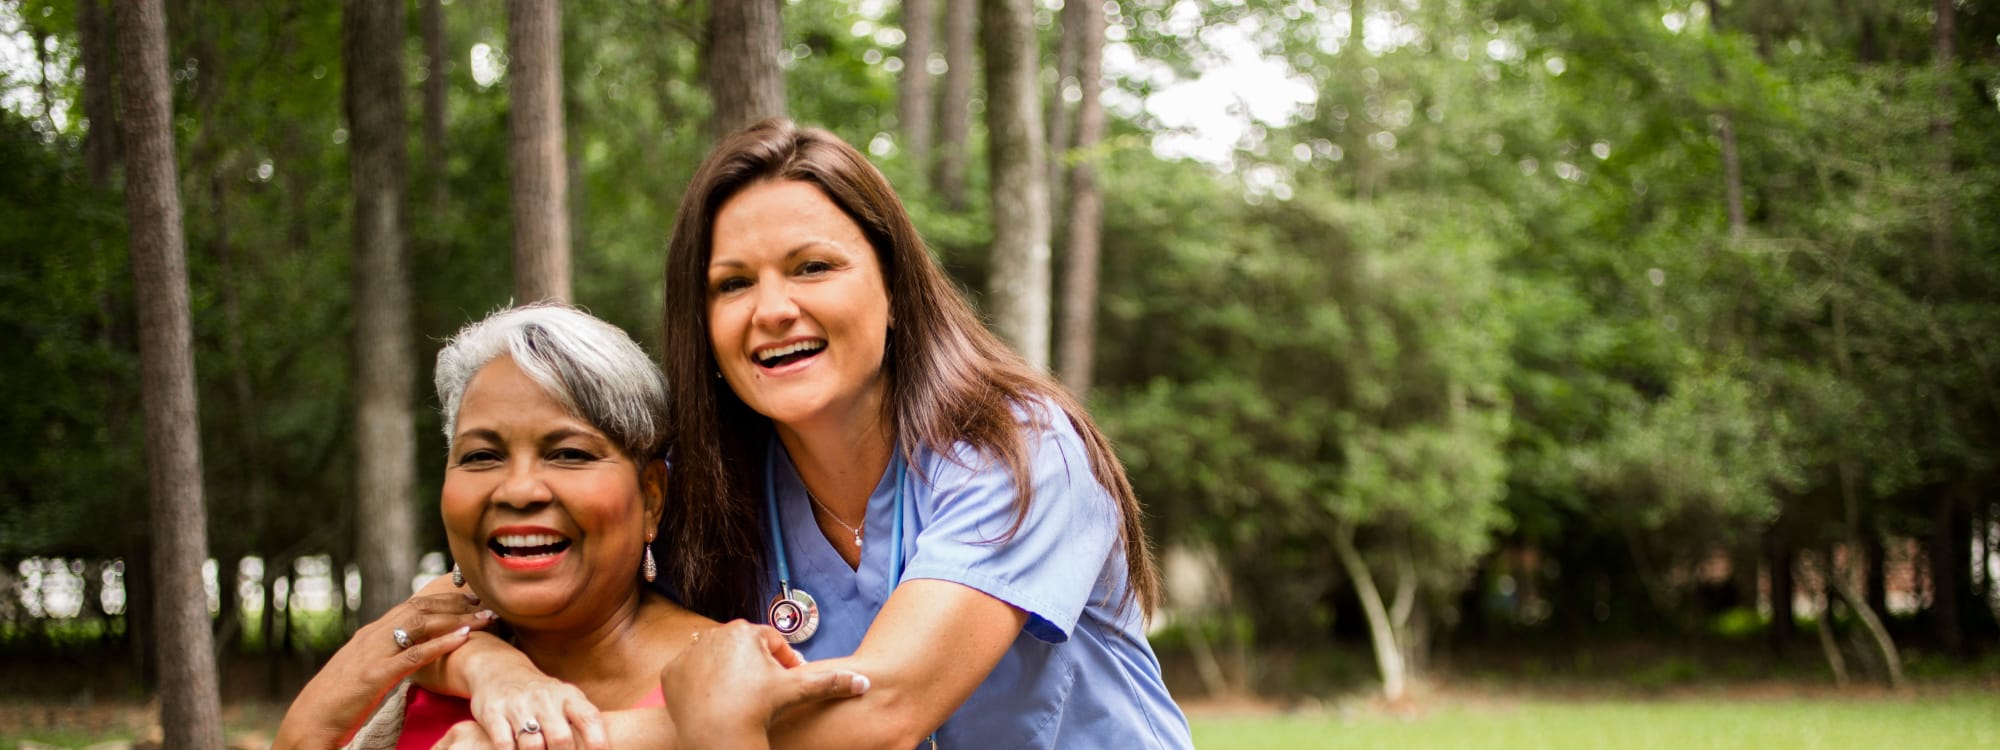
857 540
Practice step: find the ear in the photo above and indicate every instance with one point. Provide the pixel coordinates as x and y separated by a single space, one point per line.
653 487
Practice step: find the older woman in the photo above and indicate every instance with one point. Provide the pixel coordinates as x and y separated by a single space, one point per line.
862 464
553 488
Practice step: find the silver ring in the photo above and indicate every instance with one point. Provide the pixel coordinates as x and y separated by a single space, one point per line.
402 638
531 727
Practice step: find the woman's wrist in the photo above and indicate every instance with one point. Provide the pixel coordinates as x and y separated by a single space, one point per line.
483 654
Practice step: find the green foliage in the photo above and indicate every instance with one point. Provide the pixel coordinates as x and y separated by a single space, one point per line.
73 425
1479 297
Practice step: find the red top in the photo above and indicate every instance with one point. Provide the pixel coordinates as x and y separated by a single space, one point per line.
427 716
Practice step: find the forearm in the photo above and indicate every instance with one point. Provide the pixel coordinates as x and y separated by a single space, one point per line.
892 714
483 654
323 717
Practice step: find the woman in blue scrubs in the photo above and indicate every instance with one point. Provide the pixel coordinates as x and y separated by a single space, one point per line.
860 464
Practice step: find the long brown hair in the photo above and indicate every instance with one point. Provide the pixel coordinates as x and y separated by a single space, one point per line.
949 378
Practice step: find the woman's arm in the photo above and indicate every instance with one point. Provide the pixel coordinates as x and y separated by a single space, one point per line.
739 677
345 691
908 692
511 690
913 689
749 664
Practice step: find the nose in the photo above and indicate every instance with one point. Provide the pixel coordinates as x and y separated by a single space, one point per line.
523 487
775 308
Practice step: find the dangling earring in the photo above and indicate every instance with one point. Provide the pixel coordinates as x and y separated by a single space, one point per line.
457 578
647 567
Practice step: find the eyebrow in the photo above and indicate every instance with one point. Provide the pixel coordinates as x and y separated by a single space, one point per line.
550 438
789 254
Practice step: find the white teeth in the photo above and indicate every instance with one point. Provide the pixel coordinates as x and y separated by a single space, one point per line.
802 346
527 540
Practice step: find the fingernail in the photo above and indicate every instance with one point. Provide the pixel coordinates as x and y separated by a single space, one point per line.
860 684
487 614
462 631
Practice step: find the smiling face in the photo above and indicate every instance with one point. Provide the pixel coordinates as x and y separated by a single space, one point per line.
545 515
798 315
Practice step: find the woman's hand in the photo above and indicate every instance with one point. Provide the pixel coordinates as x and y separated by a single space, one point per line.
382 653
726 687
508 698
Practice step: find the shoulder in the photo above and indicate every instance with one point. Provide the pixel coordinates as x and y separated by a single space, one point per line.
1048 439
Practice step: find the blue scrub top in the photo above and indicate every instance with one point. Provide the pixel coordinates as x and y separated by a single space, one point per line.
1081 673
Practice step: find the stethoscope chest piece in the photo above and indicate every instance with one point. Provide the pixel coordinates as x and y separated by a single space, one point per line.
794 615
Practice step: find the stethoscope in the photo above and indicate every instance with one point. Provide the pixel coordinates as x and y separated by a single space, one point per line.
793 612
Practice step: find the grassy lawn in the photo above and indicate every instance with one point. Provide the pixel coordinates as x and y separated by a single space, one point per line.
1954 720
1963 717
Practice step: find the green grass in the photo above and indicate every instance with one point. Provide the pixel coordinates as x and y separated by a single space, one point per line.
1964 718
1959 720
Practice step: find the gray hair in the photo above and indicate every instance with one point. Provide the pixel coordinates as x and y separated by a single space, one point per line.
594 369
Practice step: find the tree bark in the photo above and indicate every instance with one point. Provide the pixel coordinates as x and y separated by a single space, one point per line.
1947 574
914 107
1018 289
1725 125
955 106
384 370
1827 644
1778 561
439 62
1942 56
1891 658
1084 236
1388 652
1069 47
1732 176
744 79
541 177
190 703
1874 559
95 34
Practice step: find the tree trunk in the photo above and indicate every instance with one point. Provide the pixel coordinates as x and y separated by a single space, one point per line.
541 177
439 63
1779 561
190 704
1824 626
955 106
1388 653
1084 236
1069 46
1018 289
94 34
1732 176
744 80
1942 56
1725 125
267 626
1891 658
141 610
228 622
384 372
1874 559
1947 575
914 107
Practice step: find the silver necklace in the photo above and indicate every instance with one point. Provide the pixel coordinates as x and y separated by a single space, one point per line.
855 530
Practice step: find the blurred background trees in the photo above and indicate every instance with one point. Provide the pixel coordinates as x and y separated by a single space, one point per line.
1426 329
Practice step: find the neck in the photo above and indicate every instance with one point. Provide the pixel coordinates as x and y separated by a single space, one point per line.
840 464
603 658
